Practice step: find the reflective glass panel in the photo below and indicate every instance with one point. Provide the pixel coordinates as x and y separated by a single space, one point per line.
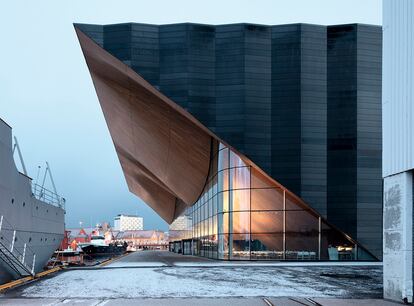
215 204
223 180
302 246
214 225
205 210
241 222
267 221
223 159
223 246
266 246
236 161
240 246
241 200
335 245
214 242
301 221
223 201
223 219
259 180
205 227
292 203
267 199
239 178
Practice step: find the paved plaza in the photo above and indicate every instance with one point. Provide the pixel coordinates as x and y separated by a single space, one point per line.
163 278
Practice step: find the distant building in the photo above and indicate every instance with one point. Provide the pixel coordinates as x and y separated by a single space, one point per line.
128 223
140 239
182 223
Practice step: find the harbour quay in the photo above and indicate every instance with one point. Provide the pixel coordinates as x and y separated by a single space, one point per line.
157 277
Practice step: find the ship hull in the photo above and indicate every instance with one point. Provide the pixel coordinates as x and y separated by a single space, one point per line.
102 251
37 227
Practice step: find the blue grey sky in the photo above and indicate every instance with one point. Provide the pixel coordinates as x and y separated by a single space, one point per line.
48 98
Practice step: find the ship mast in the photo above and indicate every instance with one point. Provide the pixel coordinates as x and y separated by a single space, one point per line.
51 178
16 146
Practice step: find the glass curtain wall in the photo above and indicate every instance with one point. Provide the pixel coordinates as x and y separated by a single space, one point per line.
243 215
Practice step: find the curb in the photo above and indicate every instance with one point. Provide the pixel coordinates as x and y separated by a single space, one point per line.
109 261
15 283
27 279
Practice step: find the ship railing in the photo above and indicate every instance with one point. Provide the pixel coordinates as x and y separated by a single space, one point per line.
48 196
19 254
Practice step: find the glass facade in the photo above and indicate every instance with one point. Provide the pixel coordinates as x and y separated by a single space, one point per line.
243 215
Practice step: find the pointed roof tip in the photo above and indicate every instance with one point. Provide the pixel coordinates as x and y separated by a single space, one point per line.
78 27
81 26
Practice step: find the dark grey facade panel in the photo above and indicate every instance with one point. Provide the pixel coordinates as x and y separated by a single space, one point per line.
302 49
354 62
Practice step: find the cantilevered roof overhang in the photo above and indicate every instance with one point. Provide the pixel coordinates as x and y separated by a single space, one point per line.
164 151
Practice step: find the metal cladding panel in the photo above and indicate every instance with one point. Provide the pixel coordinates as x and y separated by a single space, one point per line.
397 102
298 108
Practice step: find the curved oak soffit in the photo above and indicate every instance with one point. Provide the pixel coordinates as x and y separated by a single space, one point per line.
163 150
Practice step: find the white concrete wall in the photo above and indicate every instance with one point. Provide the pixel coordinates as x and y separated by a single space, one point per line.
398 237
398 82
398 147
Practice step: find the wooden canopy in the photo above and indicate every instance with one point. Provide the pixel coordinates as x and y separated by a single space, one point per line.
164 151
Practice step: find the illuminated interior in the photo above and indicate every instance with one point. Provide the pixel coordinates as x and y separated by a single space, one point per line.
243 215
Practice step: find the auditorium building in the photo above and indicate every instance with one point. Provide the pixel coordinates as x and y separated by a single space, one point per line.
268 138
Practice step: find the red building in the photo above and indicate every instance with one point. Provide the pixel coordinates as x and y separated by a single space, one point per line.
80 235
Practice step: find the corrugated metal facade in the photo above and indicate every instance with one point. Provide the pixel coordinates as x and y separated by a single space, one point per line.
398 82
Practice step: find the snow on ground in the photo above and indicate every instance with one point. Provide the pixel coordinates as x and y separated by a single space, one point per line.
279 264
161 282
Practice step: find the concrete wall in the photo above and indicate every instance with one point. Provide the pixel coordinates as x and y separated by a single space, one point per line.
398 147
398 236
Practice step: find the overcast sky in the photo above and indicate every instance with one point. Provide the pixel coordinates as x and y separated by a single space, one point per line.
48 98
